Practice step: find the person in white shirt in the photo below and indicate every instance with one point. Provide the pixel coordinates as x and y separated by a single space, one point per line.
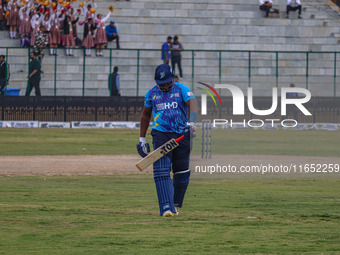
293 5
266 5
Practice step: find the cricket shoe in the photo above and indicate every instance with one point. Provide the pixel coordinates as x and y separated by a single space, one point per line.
168 213
177 211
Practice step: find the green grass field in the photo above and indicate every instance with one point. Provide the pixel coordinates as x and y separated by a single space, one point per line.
15 142
118 214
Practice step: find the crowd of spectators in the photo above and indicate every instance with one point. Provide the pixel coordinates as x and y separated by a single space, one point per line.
292 5
58 20
53 24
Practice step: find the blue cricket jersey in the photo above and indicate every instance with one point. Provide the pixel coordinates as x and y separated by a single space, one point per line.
165 50
169 110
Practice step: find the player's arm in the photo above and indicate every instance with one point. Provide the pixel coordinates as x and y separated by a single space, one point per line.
143 147
193 107
145 120
193 115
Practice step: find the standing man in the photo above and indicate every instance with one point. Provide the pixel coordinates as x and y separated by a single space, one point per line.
4 73
293 5
112 33
170 105
114 83
34 76
165 50
176 48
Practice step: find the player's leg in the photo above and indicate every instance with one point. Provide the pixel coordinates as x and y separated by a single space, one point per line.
180 167
29 88
173 64
117 42
161 172
288 10
2 85
299 8
181 182
179 64
37 88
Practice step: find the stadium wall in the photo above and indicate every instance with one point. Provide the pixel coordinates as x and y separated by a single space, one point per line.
68 109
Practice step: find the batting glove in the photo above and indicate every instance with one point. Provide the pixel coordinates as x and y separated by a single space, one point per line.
143 147
190 129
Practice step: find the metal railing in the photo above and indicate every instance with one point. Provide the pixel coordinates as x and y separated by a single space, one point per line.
68 108
240 67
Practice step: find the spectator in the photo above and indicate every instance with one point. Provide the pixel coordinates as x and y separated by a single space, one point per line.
25 40
165 50
114 83
266 5
2 14
40 42
68 41
34 76
73 18
13 18
54 36
176 48
101 39
25 25
89 12
4 74
35 24
293 5
292 94
88 41
3 21
112 33
46 20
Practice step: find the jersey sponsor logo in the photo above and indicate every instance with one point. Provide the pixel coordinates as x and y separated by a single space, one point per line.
173 105
174 95
156 97
160 107
190 94
165 106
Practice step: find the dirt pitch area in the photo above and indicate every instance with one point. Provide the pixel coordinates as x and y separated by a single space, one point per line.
125 164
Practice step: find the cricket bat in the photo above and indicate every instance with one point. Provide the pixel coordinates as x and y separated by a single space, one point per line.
158 153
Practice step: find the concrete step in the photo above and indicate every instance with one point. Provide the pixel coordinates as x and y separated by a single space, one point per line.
217 24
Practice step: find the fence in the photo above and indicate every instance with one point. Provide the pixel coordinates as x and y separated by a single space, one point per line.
88 76
62 108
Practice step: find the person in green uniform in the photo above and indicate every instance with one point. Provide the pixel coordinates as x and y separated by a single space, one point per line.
34 76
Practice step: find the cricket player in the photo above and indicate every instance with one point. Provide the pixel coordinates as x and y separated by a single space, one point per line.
170 105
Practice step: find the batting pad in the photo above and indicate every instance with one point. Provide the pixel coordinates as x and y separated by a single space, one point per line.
181 182
164 185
